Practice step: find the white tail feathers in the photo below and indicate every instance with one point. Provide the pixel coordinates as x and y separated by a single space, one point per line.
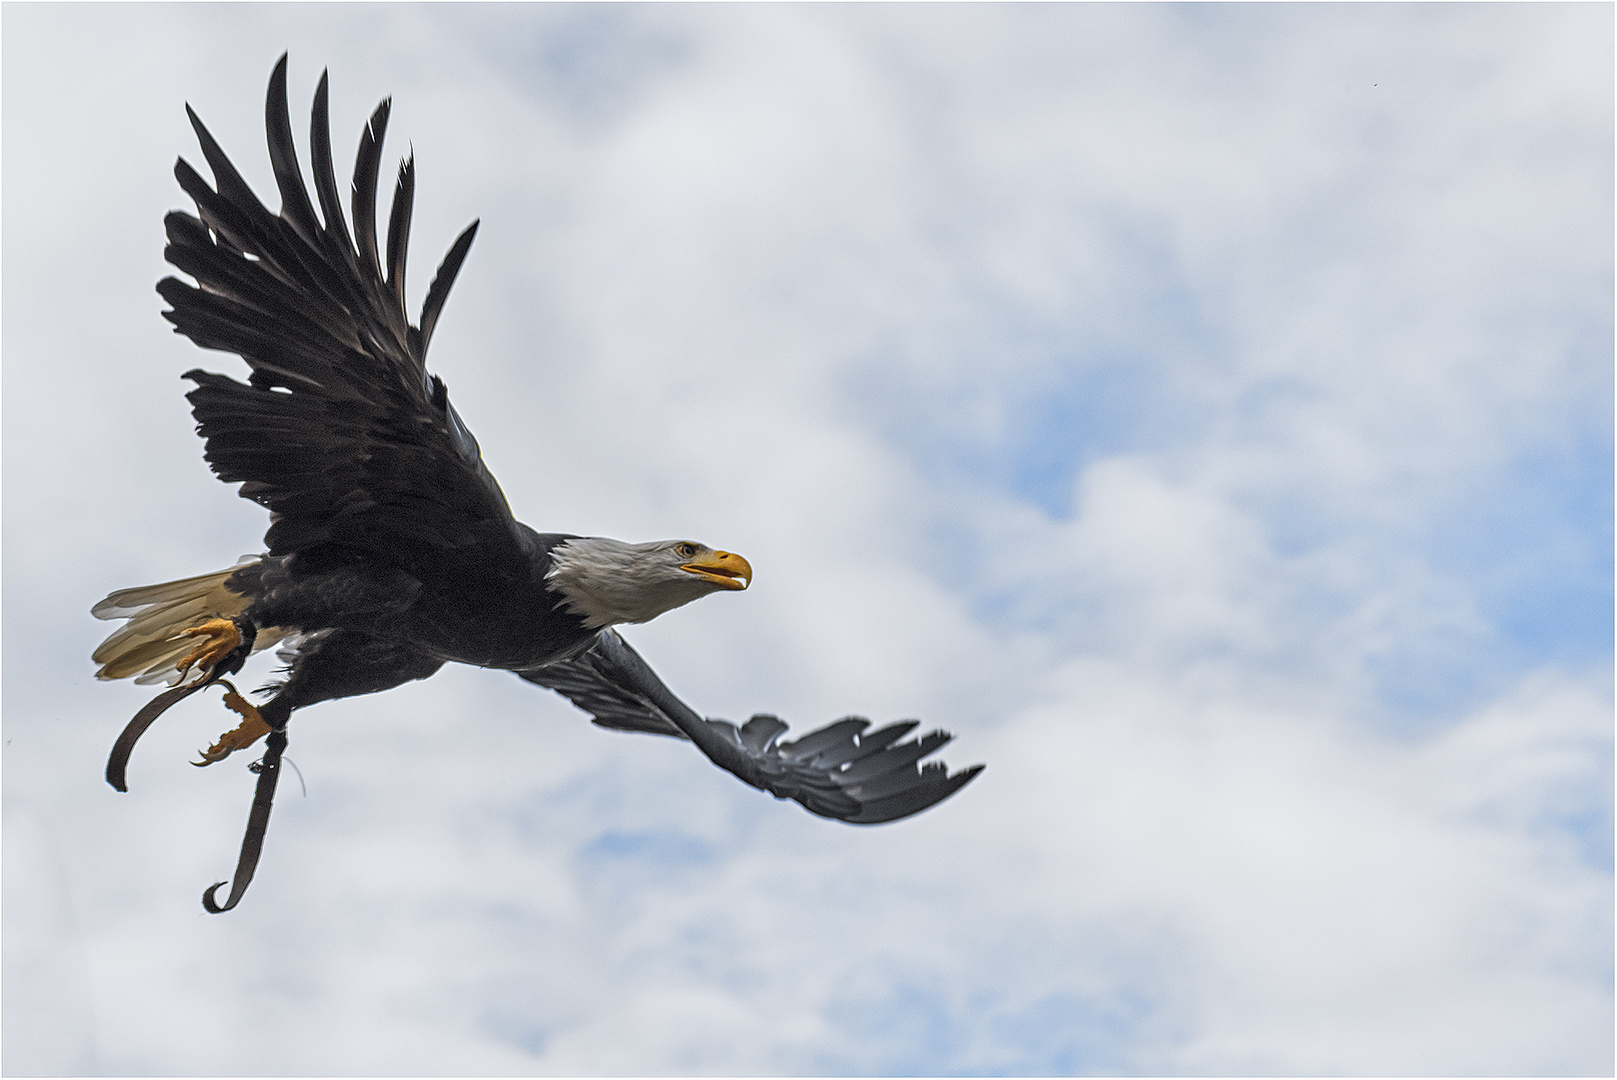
149 646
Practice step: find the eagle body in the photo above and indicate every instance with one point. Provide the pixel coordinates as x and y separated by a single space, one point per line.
391 549
368 623
510 621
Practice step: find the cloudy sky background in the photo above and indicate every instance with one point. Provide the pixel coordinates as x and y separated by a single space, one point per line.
1204 412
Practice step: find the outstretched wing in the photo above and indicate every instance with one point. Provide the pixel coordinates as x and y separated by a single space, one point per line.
340 431
841 771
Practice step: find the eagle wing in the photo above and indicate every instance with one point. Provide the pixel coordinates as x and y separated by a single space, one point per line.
841 771
339 431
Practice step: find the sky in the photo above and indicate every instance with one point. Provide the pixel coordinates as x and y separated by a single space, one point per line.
1203 412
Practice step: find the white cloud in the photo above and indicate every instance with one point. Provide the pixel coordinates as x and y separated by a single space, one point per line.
1272 786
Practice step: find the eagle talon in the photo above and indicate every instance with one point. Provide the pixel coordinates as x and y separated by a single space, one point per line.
250 730
220 639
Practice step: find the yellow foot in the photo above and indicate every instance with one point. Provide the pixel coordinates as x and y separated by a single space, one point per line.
219 637
250 730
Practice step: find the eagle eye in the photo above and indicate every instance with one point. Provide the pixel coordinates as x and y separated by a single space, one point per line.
686 550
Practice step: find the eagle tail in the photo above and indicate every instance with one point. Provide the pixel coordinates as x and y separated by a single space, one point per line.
152 642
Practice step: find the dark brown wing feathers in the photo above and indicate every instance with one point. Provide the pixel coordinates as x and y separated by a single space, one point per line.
843 770
339 430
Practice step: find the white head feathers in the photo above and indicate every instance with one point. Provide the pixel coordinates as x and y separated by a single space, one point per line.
607 582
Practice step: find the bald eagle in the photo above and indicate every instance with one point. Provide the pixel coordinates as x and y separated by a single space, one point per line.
391 549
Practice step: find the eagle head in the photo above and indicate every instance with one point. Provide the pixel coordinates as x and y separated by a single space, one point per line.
606 582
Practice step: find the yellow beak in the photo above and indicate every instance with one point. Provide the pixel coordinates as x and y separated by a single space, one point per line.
723 568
